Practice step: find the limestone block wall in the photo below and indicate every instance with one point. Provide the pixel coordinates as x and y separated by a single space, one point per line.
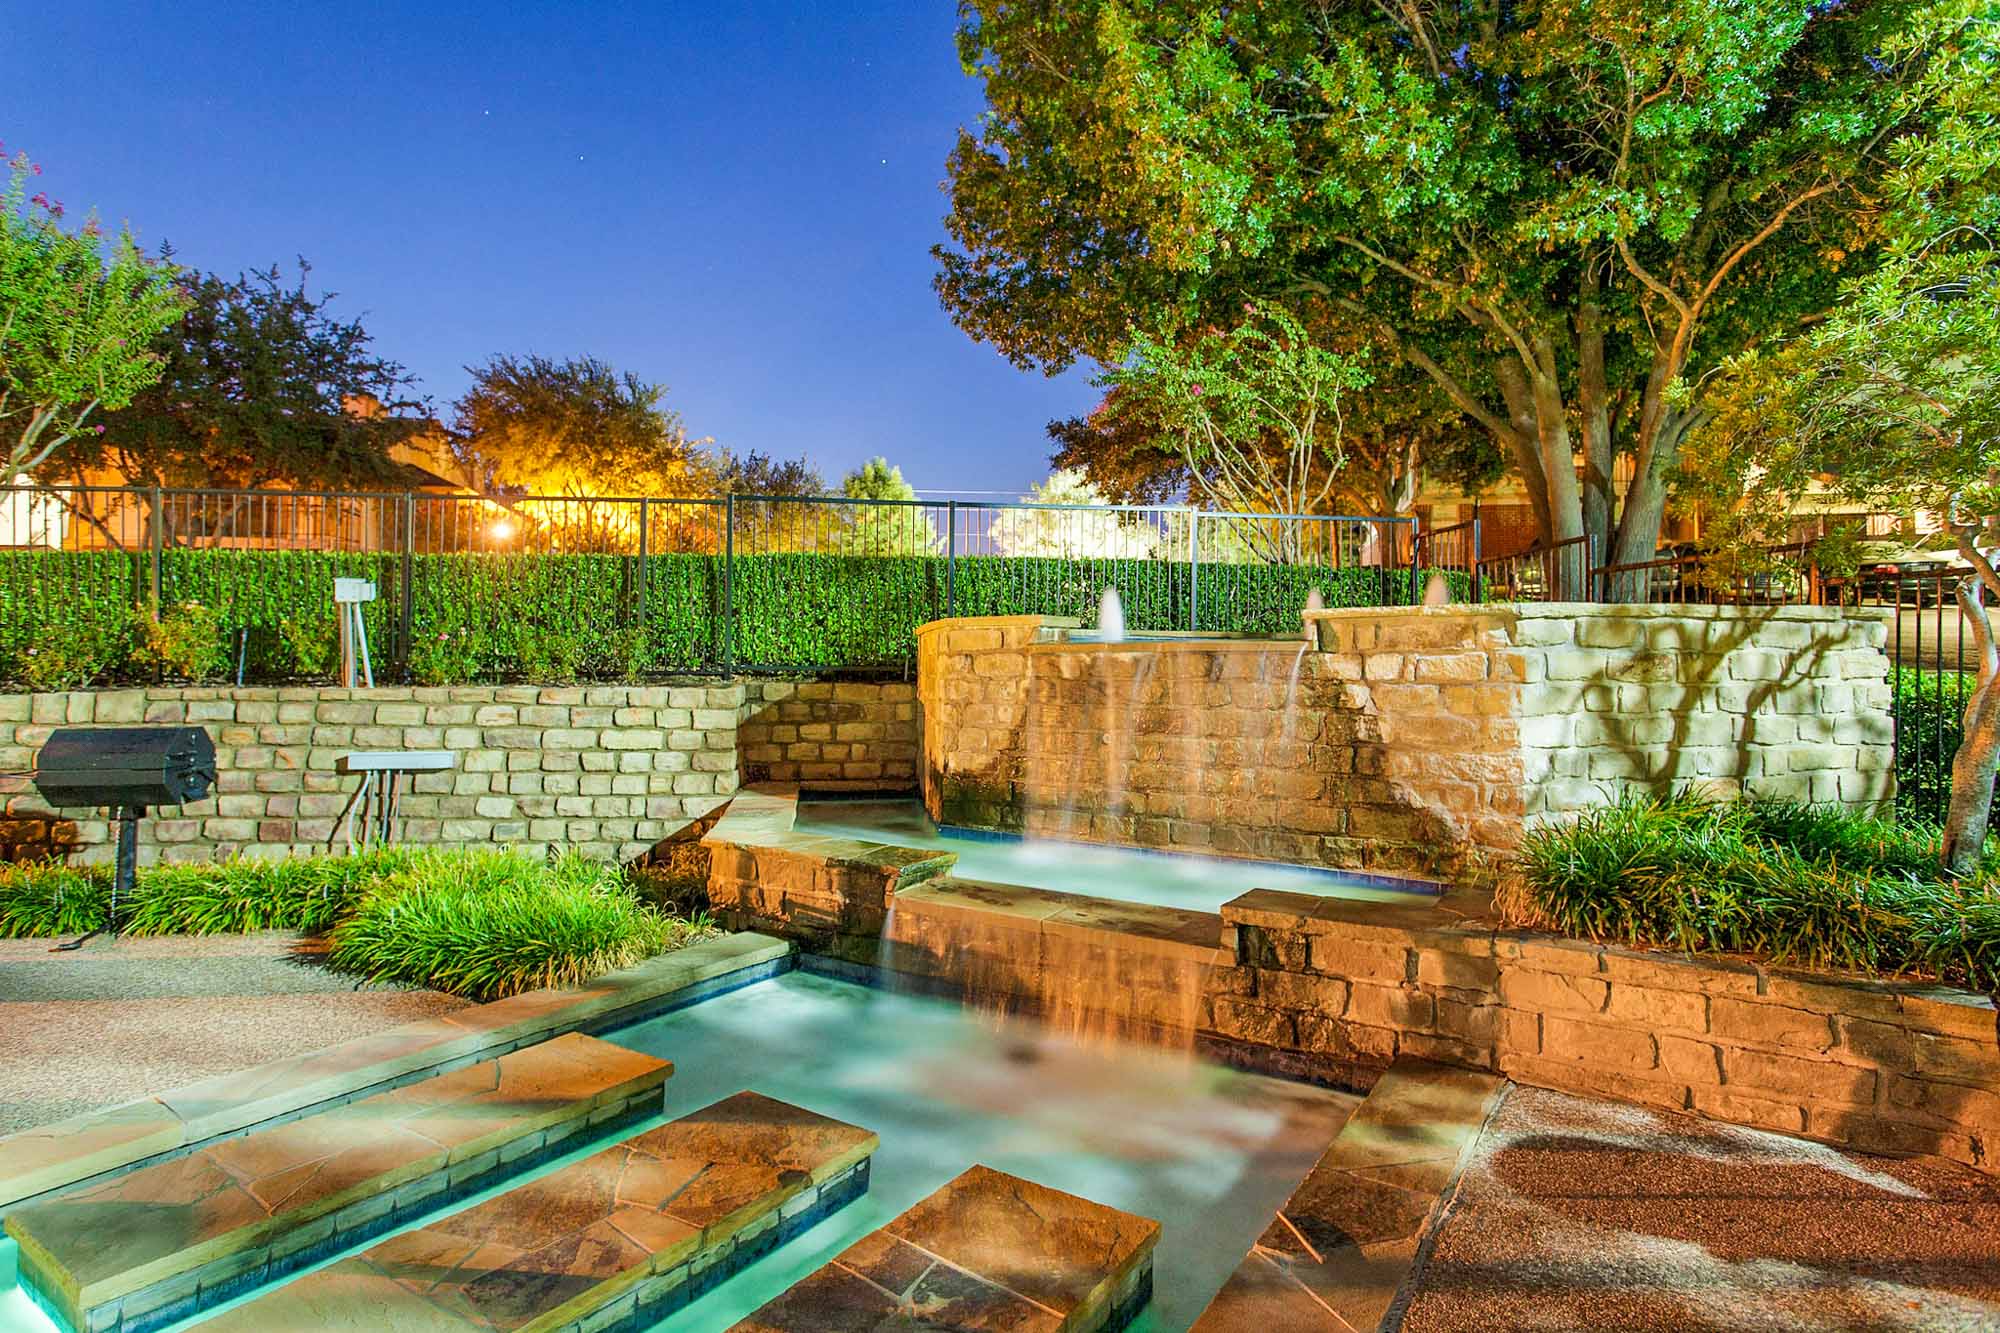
1401 739
608 769
1337 990
827 735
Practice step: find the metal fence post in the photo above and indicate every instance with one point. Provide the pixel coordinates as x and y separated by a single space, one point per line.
950 558
1478 576
1194 571
1416 559
406 615
729 585
645 533
158 544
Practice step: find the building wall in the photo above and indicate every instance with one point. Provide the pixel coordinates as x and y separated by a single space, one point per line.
1400 739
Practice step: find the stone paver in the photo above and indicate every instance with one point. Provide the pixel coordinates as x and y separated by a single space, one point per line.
145 1246
1579 1213
602 1238
989 1251
53 1157
1336 1254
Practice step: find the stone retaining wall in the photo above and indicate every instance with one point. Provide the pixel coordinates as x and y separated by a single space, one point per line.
1403 738
608 769
1337 990
851 734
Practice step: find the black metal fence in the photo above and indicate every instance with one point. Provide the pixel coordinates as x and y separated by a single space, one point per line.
625 585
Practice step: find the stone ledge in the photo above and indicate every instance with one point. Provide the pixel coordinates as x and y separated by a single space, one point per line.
55 1157
988 1250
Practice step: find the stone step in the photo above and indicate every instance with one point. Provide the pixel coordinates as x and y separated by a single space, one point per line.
159 1243
989 1251
1335 1256
613 1241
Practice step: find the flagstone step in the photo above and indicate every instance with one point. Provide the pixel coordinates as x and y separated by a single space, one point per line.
613 1241
159 1243
989 1251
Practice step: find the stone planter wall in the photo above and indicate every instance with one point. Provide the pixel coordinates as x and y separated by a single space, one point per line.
1337 990
859 735
1401 738
608 769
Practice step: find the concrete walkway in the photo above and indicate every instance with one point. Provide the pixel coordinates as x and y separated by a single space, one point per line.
1572 1213
118 1019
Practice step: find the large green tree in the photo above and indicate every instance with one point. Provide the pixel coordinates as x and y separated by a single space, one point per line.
261 383
1893 401
77 326
1564 215
574 427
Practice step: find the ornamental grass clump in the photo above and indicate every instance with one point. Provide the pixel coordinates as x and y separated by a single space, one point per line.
47 898
1816 886
488 924
307 893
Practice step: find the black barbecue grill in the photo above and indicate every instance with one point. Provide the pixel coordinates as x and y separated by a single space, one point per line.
125 770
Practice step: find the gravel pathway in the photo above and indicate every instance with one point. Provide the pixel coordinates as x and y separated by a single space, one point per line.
118 1019
1578 1214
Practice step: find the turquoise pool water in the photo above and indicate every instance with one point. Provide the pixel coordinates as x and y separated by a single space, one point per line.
1164 879
1208 1152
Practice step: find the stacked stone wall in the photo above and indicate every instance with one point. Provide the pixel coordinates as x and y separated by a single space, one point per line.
1401 739
1338 990
858 735
611 770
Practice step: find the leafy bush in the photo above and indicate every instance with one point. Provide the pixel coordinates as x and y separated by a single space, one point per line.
65 617
1813 885
1930 721
481 923
184 642
492 923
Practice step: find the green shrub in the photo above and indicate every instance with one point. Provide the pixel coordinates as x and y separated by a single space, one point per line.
306 893
1930 721
493 923
1813 885
484 617
48 898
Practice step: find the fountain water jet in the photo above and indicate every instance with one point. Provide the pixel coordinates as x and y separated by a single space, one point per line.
1110 617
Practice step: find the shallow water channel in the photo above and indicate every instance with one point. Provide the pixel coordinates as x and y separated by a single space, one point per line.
1133 875
1208 1152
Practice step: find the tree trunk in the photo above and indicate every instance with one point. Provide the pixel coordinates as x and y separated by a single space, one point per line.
1972 768
1594 409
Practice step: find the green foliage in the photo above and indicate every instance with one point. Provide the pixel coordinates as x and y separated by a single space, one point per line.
534 425
492 923
259 384
1815 886
550 617
48 898
900 527
76 327
483 923
1253 411
1930 723
182 642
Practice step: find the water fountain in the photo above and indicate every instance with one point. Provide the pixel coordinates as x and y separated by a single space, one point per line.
1110 617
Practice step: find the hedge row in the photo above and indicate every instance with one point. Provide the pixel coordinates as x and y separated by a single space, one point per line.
67 618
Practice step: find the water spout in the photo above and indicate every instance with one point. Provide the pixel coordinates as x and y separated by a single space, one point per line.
1437 592
1314 600
1110 617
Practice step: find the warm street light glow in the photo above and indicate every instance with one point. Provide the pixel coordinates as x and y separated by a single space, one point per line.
501 530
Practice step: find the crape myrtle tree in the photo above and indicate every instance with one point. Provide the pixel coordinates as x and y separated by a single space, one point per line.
1564 215
1893 401
77 325
261 383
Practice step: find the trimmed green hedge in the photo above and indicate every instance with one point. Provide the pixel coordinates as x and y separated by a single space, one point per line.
66 617
1930 722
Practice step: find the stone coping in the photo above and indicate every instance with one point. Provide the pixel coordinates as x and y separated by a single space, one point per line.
608 1240
54 1157
1602 611
1339 1251
146 1247
765 816
987 1251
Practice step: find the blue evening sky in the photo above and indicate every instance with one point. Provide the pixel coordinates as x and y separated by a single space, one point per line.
737 200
